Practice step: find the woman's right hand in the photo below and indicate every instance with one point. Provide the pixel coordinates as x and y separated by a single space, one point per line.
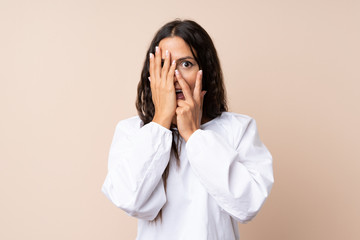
162 88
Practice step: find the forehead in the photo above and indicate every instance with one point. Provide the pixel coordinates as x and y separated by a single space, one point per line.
176 46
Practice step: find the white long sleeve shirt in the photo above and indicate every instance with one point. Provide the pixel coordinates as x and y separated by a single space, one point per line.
225 175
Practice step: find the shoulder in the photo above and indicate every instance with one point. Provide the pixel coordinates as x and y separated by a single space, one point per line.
232 125
235 118
233 121
129 124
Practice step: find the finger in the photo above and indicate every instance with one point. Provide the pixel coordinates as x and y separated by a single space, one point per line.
179 111
165 68
170 76
198 87
181 103
184 86
152 65
157 62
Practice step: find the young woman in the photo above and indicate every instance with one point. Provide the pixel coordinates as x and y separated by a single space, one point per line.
185 167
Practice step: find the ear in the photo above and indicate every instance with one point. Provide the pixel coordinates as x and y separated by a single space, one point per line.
202 99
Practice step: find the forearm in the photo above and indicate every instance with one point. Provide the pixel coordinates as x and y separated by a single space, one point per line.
239 183
136 164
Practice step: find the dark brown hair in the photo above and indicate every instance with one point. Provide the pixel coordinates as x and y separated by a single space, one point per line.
206 57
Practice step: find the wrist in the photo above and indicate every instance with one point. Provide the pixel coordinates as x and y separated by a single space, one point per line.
188 134
162 121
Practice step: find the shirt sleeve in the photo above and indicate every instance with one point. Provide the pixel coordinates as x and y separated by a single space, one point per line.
238 176
137 159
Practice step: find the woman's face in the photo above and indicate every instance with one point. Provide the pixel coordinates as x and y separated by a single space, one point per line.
185 61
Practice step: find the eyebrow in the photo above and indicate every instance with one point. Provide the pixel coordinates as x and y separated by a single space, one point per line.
181 59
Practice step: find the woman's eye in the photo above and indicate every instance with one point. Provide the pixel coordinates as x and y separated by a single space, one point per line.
186 64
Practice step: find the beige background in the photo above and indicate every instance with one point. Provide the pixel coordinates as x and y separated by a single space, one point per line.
69 71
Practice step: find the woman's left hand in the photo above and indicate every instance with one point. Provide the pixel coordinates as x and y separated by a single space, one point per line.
189 111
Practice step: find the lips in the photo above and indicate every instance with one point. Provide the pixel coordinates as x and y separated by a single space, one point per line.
179 94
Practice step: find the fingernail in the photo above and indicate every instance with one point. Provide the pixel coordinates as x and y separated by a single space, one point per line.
173 62
176 72
150 55
157 49
200 72
166 53
149 79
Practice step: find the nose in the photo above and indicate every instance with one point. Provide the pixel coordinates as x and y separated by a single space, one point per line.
175 78
176 83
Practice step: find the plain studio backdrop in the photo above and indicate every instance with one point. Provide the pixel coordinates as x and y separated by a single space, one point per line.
69 72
